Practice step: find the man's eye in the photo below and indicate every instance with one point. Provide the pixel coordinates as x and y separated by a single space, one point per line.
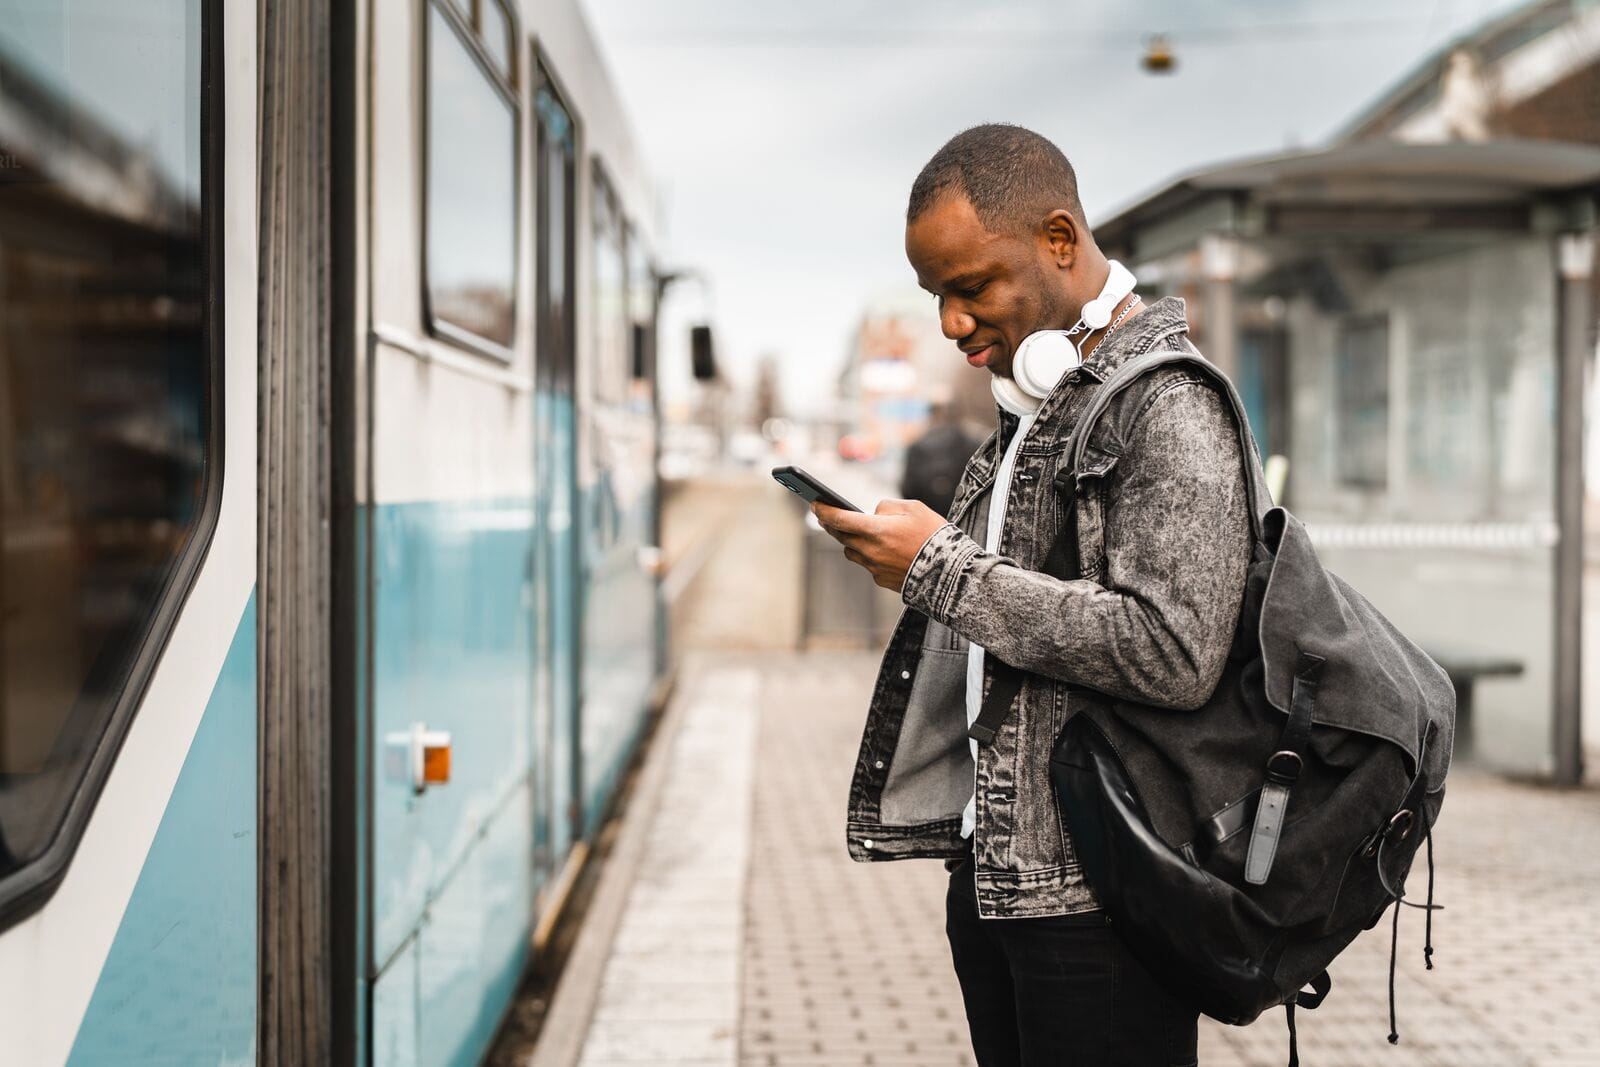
972 293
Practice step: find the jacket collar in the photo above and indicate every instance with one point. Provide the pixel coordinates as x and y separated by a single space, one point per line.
1137 336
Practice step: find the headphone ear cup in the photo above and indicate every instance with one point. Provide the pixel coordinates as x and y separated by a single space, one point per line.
1097 312
1041 360
1009 395
1119 283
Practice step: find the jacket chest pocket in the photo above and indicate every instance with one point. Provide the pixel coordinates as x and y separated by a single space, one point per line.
1090 499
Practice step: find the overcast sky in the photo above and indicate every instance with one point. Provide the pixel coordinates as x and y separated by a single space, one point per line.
785 136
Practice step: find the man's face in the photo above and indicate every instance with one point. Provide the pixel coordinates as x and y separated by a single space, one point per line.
993 289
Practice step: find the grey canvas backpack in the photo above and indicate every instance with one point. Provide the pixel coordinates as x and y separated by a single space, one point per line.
1240 847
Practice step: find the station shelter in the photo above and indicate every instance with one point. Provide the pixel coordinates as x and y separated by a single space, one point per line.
1410 327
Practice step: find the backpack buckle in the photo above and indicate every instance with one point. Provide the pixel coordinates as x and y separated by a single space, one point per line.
1285 766
1402 822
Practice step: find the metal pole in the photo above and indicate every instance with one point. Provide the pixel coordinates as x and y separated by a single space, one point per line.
1219 258
1574 266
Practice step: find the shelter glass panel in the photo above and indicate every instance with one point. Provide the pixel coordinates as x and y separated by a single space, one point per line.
1420 406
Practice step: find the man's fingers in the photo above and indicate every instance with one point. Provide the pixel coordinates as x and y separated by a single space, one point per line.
841 536
838 519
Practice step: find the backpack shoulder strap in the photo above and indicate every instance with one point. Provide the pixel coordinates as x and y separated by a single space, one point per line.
1063 552
1130 372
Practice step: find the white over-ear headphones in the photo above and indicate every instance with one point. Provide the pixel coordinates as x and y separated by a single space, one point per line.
1045 355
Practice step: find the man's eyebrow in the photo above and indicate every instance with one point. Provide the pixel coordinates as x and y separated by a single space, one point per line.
966 279
960 281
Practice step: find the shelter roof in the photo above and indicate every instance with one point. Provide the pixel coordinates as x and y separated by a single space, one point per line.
1374 173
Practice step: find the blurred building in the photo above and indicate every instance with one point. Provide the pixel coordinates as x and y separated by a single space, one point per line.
898 365
1410 317
1533 73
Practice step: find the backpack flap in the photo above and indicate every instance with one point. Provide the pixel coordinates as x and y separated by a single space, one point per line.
1374 681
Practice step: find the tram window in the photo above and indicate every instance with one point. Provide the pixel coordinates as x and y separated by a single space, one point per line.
496 30
471 193
107 468
557 224
610 294
641 306
1363 402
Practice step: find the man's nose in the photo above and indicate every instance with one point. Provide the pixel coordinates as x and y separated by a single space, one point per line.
955 323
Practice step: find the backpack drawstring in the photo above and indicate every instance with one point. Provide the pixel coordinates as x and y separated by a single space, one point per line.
1294 1045
1429 908
1394 941
1427 937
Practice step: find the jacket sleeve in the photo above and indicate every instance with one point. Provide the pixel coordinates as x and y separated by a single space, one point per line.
1177 545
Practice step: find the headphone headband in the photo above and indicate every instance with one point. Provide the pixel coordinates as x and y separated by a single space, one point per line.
1097 312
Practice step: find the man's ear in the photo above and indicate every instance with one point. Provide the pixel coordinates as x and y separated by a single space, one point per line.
1060 232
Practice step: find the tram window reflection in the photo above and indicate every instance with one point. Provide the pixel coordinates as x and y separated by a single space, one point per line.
104 376
612 333
641 306
556 224
471 194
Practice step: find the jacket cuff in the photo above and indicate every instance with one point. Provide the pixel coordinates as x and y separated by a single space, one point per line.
936 570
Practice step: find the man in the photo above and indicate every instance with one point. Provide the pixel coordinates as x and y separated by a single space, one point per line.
935 460
995 232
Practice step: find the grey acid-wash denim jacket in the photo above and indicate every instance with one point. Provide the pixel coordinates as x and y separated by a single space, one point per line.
1165 539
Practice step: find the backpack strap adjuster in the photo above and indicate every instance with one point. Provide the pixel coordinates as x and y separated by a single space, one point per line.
1284 767
1283 770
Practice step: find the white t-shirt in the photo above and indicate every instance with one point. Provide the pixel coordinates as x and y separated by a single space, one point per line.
997 517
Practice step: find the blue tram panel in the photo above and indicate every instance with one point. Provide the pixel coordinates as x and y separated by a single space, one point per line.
513 616
506 612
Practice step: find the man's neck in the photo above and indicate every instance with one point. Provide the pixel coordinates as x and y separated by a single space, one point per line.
1120 316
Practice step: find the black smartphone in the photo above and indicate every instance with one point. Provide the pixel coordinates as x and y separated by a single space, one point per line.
810 487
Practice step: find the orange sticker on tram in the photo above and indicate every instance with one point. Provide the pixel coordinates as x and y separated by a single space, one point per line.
436 764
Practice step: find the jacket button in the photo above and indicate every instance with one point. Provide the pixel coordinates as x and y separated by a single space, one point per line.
866 842
878 765
1026 476
905 676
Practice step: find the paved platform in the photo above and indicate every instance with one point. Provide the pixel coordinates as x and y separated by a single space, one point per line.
743 934
750 938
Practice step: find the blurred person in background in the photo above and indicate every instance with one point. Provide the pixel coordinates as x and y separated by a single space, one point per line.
935 460
997 234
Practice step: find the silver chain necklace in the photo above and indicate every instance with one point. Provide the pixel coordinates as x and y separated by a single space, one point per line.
1116 322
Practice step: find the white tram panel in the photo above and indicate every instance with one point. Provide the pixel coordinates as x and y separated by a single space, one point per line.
425 383
51 961
449 423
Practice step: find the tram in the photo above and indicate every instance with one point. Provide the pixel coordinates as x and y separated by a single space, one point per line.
330 611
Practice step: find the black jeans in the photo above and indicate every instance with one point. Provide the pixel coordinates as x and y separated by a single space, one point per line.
1059 990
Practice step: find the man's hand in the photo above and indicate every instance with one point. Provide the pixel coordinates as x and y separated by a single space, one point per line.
884 542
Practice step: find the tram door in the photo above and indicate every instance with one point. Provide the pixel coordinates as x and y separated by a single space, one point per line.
449 623
556 622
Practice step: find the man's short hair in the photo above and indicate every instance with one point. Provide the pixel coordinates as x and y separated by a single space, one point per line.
1012 176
